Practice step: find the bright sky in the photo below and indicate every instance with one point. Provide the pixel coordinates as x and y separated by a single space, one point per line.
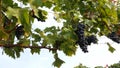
98 54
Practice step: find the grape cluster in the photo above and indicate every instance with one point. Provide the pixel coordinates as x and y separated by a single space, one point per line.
91 39
81 38
84 41
19 32
114 37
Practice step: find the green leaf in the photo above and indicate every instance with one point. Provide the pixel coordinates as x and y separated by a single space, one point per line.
36 37
7 2
93 30
37 30
13 12
48 4
56 8
68 33
42 15
36 3
24 1
10 52
25 21
58 62
17 51
68 48
3 35
35 50
111 49
51 29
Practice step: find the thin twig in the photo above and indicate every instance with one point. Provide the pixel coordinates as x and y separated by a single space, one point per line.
0 12
17 45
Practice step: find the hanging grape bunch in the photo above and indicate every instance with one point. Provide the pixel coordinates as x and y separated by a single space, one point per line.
84 41
114 37
81 38
19 32
91 39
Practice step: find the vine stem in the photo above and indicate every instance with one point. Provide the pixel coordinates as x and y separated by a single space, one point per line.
0 12
17 45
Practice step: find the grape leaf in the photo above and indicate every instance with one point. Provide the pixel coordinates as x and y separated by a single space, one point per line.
36 37
36 3
68 48
7 2
10 52
25 21
35 50
17 51
111 49
58 62
3 35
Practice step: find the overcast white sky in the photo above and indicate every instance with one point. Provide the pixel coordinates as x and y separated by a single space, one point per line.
98 54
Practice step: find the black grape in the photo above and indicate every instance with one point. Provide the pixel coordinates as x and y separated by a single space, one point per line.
80 30
84 41
19 32
84 48
82 45
114 37
81 38
91 39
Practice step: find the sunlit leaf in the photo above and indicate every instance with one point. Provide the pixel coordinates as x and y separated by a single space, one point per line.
25 21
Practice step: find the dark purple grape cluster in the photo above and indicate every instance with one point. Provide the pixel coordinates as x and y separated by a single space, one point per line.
84 41
81 38
19 32
114 37
91 39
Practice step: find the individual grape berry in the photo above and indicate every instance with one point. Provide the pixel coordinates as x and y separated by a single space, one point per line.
19 32
114 37
91 39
